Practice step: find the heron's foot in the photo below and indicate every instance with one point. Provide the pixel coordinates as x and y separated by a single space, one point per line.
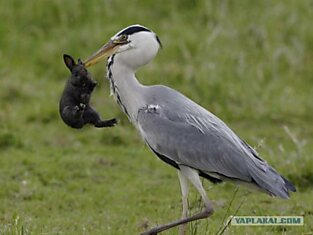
207 212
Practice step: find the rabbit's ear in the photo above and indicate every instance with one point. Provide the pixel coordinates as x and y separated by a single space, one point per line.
80 62
69 61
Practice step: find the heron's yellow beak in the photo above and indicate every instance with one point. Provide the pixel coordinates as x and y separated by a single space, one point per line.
105 51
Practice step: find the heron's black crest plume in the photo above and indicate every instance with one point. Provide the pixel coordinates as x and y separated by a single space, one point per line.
133 29
159 41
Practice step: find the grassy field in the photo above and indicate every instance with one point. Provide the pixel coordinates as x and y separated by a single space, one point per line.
249 62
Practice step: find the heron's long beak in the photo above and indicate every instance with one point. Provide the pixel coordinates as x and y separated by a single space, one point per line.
105 51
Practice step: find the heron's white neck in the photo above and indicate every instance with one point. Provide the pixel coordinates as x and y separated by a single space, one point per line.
127 90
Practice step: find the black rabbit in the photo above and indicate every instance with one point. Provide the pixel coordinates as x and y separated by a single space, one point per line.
74 105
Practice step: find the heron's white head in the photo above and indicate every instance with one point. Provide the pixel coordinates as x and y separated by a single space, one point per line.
133 47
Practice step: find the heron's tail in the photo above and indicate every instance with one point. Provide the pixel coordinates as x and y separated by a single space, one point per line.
289 185
268 179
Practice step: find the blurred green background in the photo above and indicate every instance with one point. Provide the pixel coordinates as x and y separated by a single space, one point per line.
249 62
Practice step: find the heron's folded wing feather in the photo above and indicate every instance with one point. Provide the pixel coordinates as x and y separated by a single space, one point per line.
183 142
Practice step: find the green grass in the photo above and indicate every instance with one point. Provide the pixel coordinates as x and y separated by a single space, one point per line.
249 62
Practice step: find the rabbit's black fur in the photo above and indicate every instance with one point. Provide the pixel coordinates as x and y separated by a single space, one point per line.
74 107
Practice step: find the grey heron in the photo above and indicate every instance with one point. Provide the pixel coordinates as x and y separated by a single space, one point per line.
179 131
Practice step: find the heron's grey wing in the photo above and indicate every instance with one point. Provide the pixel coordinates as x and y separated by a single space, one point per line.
200 141
184 144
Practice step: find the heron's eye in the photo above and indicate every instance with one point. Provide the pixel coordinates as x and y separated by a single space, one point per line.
123 37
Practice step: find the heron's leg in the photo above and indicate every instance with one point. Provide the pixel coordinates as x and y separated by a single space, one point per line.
193 176
184 186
